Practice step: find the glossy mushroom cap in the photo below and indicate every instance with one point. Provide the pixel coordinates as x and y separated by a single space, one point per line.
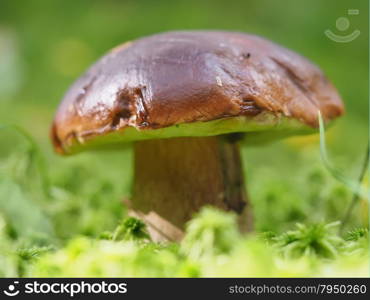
192 84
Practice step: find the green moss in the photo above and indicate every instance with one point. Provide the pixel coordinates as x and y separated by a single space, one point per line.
212 247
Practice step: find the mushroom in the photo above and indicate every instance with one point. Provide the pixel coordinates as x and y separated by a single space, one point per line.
184 100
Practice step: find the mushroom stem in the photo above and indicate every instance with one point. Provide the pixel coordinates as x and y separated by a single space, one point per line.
174 178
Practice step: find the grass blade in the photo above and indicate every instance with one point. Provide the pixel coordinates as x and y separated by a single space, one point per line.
354 186
39 158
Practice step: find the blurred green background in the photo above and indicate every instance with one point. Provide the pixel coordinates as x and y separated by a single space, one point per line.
46 44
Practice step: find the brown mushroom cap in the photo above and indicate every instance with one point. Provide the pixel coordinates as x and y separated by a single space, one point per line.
192 84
